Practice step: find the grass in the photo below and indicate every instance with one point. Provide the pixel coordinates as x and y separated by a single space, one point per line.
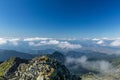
5 66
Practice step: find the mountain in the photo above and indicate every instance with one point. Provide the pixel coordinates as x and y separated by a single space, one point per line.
59 56
46 51
92 76
91 55
39 68
77 53
6 54
51 67
9 67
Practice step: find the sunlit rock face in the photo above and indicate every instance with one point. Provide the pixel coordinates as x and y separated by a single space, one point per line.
43 68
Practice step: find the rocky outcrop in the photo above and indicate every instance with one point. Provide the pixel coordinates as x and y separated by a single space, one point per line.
8 67
59 57
43 68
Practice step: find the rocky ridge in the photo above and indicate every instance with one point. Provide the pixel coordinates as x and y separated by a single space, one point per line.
10 66
43 68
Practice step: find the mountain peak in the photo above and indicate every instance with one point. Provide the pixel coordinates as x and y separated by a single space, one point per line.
43 68
9 67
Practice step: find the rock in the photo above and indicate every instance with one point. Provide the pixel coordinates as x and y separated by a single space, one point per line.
43 68
2 78
8 67
59 57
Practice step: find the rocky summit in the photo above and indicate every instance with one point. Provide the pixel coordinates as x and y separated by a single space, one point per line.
43 68
8 67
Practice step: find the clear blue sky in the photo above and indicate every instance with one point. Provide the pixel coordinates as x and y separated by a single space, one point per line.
60 18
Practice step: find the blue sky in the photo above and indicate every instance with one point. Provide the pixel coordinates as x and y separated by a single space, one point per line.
60 18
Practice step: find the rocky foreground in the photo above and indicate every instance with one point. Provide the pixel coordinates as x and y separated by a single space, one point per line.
39 68
47 67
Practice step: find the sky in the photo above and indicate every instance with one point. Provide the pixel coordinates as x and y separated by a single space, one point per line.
60 18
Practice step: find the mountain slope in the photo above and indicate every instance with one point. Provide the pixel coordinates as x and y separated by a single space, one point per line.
59 56
10 66
43 68
91 55
6 54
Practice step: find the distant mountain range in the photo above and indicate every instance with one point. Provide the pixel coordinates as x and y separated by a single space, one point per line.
52 66
43 45
74 58
44 67
6 54
91 55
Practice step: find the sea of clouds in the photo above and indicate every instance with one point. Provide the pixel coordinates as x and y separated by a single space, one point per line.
101 66
105 45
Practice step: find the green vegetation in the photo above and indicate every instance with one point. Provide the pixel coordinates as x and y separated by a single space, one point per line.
5 66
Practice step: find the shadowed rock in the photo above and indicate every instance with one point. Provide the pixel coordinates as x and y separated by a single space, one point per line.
43 68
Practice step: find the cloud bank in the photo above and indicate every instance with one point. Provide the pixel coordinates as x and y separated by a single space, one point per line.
13 41
2 41
100 66
115 43
36 39
57 43
106 45
67 45
100 42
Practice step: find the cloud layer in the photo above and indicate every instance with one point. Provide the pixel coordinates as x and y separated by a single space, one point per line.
57 43
100 66
106 45
13 41
115 43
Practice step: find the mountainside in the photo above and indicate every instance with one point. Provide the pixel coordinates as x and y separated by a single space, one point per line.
113 74
39 68
92 55
10 66
51 66
59 56
6 54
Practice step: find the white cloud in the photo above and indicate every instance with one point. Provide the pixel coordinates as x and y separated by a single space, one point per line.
14 41
67 45
57 43
105 38
95 39
44 42
100 65
115 43
100 42
53 42
36 39
32 44
3 41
